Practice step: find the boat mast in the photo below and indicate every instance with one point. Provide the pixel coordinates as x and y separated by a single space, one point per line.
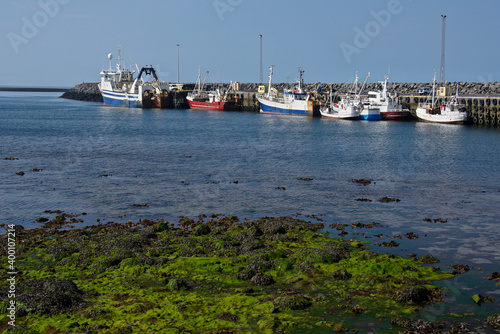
362 87
384 90
119 63
356 84
205 80
434 89
301 79
270 81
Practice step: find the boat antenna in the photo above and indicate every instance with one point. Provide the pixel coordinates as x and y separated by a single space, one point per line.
119 59
110 57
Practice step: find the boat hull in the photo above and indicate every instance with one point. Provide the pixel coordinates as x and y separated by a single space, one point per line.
395 115
218 106
121 99
370 115
452 118
337 113
161 102
298 107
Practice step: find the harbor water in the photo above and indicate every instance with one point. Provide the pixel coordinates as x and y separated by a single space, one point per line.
116 164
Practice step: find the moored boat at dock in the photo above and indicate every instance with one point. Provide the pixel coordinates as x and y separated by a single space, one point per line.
346 108
389 104
452 112
200 99
367 111
291 102
119 88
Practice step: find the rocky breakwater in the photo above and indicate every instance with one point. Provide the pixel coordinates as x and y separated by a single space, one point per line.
88 91
464 88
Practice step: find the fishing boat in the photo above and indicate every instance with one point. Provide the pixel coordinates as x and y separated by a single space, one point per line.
389 105
292 102
200 99
367 111
346 108
452 112
119 88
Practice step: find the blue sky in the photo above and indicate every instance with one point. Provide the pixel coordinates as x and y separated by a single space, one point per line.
65 42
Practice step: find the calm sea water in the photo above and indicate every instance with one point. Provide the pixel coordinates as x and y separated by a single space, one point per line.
111 162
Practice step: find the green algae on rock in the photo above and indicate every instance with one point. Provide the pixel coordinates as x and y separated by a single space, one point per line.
271 275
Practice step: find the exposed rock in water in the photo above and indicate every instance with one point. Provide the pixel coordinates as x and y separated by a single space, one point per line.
494 320
415 294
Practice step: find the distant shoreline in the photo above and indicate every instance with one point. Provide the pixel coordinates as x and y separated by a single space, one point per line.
32 89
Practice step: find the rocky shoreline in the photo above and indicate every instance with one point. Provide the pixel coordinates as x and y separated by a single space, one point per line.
217 275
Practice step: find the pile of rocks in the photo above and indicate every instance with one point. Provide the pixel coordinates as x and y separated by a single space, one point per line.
88 91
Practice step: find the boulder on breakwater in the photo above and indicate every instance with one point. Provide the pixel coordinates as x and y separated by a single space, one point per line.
88 91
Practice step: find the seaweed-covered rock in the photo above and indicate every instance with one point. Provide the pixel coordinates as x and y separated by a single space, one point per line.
262 279
177 284
428 259
341 274
254 231
294 302
48 296
415 294
228 317
202 229
494 320
245 275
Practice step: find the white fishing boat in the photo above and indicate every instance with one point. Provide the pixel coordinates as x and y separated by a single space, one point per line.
292 102
452 112
346 108
349 106
388 104
119 88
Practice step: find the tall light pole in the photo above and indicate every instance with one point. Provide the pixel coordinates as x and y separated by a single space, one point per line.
261 69
443 42
178 45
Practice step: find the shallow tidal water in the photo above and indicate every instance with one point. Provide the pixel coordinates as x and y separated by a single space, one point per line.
119 164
